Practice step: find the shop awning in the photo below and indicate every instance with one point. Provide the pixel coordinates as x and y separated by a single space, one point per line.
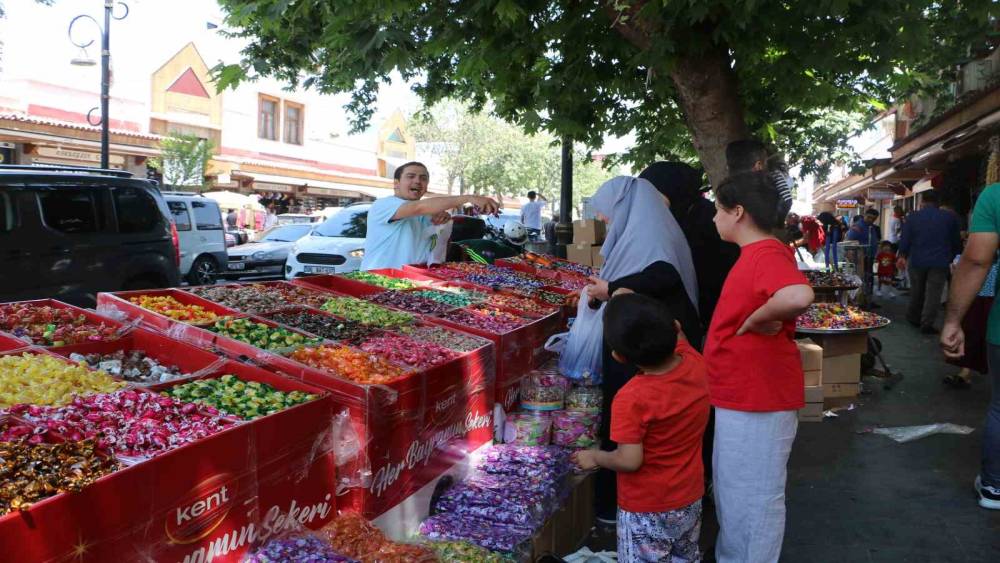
320 188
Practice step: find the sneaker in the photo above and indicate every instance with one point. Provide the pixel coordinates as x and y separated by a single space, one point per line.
607 522
989 497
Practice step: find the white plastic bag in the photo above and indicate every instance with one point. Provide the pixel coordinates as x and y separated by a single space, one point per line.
440 236
581 357
903 434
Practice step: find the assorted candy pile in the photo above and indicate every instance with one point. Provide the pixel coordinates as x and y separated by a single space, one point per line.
410 302
821 278
550 297
261 335
351 364
128 423
584 398
408 352
14 431
528 429
488 319
833 316
574 283
465 552
46 380
134 366
356 537
380 280
52 326
326 326
253 298
574 429
366 313
489 276
544 389
522 305
244 399
32 472
300 548
456 299
172 308
450 339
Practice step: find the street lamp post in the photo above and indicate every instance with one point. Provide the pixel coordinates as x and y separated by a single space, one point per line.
109 7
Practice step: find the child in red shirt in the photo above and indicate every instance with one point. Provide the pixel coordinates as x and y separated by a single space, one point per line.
755 376
885 261
658 419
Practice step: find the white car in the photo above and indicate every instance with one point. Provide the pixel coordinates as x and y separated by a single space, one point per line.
201 235
335 246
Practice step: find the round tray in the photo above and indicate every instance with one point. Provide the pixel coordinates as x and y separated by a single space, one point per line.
825 288
840 330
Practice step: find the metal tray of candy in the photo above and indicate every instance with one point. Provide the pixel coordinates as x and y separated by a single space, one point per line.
858 330
831 288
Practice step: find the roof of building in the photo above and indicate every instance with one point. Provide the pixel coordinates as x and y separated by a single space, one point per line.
29 119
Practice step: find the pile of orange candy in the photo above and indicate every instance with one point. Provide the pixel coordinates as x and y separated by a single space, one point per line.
349 363
174 309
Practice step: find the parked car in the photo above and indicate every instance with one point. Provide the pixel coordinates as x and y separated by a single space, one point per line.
267 255
68 233
334 246
202 236
295 218
338 244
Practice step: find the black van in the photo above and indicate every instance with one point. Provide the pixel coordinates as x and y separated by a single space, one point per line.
67 233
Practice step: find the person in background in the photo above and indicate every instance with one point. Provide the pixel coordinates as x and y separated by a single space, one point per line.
398 224
931 240
895 226
973 268
834 234
866 232
271 219
644 252
231 219
712 256
657 419
531 215
749 155
755 376
885 262
793 230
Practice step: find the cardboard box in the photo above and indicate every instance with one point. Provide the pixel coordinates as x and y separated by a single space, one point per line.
812 355
580 253
814 393
812 412
588 231
842 369
569 526
596 260
813 377
836 390
838 402
842 344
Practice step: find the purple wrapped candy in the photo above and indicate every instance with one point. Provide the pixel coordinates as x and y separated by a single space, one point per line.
495 536
297 549
545 455
574 429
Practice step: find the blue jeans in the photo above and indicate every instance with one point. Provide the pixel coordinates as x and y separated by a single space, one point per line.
991 433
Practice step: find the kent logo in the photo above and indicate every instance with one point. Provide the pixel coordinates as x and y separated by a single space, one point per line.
445 404
202 510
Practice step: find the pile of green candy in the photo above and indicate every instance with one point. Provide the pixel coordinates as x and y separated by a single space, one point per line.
464 552
380 280
366 313
457 300
245 399
261 335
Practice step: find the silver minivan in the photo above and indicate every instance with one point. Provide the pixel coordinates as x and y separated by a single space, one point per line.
202 237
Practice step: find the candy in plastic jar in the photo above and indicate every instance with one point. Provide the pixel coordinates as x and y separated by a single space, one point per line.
543 391
584 398
574 429
528 429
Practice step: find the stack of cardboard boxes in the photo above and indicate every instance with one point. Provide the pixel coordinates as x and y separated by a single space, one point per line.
832 366
588 236
812 367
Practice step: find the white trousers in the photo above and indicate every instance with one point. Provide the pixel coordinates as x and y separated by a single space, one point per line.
750 460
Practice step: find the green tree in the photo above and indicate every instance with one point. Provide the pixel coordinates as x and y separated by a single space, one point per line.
687 77
183 160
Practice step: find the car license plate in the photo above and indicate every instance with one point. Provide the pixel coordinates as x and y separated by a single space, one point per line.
237 265
320 270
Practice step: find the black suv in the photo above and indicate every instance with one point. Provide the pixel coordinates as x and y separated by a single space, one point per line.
67 233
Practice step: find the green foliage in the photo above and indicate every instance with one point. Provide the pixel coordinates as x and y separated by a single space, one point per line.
183 160
807 70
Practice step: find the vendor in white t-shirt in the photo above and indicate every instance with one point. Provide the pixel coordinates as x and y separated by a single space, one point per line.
400 226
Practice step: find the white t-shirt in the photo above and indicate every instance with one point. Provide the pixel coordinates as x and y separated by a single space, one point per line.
396 243
531 214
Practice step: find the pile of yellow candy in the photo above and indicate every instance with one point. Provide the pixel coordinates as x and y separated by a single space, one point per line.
45 380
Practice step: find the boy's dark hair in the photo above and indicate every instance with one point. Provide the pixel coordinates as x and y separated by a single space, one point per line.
640 329
532 194
742 155
885 242
930 196
398 174
872 211
752 190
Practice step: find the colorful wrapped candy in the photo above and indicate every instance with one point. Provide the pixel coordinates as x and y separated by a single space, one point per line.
52 326
253 298
134 366
322 325
456 298
298 548
574 429
46 380
261 335
171 308
408 352
356 537
486 318
833 316
32 472
465 552
349 363
544 390
521 304
410 302
495 536
244 399
498 498
450 339
528 429
584 398
380 280
366 313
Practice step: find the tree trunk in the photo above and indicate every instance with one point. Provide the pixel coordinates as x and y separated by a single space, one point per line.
461 185
707 93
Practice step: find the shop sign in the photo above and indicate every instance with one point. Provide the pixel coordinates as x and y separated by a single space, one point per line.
329 192
84 156
881 194
269 187
847 204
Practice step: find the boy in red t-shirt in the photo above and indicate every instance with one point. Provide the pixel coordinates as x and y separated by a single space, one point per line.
755 376
885 262
658 419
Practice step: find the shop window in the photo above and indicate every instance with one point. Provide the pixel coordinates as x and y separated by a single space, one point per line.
7 220
267 122
293 123
72 210
136 210
179 213
207 216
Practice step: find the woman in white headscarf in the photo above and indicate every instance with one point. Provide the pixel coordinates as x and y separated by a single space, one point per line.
644 252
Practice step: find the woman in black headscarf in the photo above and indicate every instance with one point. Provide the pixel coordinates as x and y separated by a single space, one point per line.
712 257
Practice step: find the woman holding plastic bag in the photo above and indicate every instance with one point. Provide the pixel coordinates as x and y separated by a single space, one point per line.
644 252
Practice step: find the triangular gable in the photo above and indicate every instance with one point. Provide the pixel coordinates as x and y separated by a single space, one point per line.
396 136
189 84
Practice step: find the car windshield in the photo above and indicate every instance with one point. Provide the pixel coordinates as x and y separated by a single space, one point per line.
349 223
286 233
